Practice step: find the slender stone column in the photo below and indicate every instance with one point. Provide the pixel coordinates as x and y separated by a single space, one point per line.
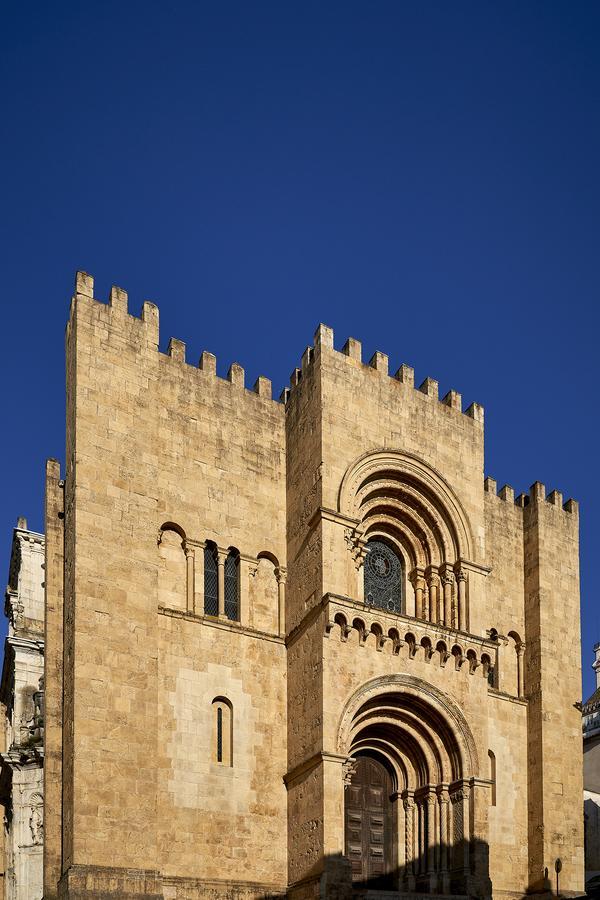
430 808
461 618
198 579
520 685
433 583
409 840
466 800
418 582
190 582
281 575
417 839
444 801
400 861
221 557
448 582
422 836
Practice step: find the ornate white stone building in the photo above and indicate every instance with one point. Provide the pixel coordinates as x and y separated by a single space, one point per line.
21 693
591 776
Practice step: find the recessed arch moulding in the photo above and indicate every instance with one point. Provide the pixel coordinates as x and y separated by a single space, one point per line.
398 497
440 795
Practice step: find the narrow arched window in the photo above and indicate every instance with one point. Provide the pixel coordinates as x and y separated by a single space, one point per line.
232 586
219 734
492 759
222 731
211 580
383 577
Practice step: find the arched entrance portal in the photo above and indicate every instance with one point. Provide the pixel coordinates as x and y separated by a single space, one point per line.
409 801
370 823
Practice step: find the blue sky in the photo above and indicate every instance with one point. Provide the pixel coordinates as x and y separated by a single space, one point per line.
422 176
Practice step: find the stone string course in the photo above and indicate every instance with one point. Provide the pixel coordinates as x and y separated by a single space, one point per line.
482 663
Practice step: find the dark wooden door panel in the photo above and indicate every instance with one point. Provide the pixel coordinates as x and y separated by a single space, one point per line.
369 822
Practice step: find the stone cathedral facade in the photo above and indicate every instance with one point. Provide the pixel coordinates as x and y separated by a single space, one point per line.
298 647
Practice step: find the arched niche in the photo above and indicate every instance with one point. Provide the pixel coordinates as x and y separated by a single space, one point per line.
172 573
263 594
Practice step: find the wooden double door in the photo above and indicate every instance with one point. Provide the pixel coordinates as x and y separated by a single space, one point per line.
369 824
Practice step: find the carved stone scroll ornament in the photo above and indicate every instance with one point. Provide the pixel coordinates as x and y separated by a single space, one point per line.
356 544
348 770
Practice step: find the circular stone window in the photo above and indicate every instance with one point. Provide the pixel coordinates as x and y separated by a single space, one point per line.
383 577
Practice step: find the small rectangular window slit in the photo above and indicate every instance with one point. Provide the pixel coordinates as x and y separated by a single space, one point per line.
219 735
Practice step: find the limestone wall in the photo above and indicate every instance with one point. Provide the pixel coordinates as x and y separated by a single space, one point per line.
153 441
221 817
553 687
53 667
507 740
504 587
163 457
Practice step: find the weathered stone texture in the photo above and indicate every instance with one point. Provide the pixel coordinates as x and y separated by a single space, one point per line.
21 701
53 665
208 754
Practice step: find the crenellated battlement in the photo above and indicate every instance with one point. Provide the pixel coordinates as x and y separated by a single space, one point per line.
379 361
323 342
537 494
176 349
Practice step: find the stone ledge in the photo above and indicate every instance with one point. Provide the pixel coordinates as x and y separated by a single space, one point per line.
181 888
108 883
510 698
214 622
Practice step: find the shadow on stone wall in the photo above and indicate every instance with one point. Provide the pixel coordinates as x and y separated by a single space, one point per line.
466 874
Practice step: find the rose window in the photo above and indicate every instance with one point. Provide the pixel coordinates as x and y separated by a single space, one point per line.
383 577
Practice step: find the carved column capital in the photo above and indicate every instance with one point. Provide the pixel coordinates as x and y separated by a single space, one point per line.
348 770
222 555
281 574
447 577
462 793
417 579
356 544
433 580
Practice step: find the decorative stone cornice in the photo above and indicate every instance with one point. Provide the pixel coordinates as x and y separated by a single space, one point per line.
471 566
307 765
331 515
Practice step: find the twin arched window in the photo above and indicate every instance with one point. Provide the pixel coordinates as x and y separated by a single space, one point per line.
384 576
231 583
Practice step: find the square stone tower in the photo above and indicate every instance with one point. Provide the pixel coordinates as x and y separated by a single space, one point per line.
300 647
